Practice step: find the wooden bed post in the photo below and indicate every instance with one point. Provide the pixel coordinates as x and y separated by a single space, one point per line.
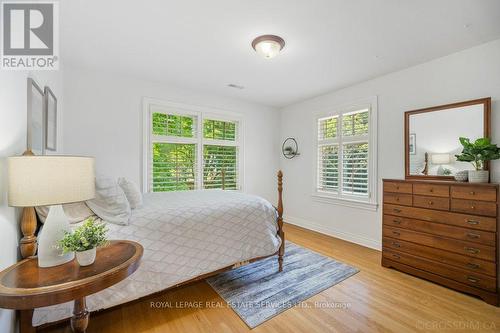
281 233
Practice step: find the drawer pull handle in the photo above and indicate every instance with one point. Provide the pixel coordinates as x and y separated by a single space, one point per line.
473 222
397 221
472 207
396 244
431 203
397 198
431 190
397 233
472 279
397 210
472 250
473 266
397 256
472 193
475 236
397 187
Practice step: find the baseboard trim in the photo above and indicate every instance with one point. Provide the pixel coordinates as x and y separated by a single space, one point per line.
314 226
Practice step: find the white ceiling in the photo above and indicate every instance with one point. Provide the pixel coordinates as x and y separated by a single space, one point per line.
205 45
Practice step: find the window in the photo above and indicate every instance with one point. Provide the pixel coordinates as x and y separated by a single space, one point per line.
346 150
220 155
190 149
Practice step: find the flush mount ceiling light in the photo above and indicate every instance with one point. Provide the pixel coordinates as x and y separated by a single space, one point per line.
268 46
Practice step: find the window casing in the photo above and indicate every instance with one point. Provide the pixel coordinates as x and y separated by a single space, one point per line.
346 155
188 148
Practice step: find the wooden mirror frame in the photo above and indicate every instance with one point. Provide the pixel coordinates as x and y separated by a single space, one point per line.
486 129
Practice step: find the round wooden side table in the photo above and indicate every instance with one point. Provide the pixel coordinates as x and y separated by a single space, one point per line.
25 286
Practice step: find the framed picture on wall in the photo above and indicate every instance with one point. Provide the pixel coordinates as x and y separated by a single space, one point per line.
413 144
36 119
50 120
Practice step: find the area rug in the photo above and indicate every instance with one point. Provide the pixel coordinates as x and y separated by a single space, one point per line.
258 292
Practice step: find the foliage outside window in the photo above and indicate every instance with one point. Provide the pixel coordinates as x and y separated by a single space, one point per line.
174 167
178 164
173 125
219 130
343 155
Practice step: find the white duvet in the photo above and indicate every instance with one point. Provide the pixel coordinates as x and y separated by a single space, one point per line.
184 235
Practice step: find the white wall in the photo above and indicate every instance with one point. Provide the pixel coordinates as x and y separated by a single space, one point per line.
13 114
104 119
465 75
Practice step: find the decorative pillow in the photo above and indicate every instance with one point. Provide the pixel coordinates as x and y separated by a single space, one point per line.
110 202
132 192
76 212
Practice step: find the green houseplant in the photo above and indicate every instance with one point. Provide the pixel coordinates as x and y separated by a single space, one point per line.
84 240
477 153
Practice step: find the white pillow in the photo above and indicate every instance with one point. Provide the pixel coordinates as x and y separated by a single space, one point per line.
132 192
110 202
76 212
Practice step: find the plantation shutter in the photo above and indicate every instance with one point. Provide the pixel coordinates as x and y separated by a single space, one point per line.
355 168
189 149
355 152
220 167
174 167
343 154
173 152
220 155
328 154
328 174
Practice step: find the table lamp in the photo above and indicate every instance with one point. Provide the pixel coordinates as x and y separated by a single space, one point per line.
440 159
50 180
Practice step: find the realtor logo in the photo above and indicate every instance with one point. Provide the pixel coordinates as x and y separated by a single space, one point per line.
30 35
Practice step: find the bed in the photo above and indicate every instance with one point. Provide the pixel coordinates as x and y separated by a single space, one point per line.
187 236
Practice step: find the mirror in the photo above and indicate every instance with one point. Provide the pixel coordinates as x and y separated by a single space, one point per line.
432 137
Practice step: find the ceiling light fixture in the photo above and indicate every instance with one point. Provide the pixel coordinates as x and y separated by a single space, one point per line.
268 46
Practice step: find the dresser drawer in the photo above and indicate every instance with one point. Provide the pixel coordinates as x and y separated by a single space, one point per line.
432 190
398 199
461 220
474 193
397 187
467 263
431 202
439 229
474 207
457 246
451 272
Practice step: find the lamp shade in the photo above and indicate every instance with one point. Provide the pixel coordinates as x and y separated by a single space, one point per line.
440 159
50 180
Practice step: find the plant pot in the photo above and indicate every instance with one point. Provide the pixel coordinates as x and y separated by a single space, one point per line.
86 258
479 176
462 176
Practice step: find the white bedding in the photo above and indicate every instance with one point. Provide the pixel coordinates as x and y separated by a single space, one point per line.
184 235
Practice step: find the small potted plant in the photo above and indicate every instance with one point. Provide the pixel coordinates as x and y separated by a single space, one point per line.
84 240
477 153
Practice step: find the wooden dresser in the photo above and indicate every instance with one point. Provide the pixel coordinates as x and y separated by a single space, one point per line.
445 232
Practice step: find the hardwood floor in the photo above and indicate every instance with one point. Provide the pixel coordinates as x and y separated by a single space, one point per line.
376 299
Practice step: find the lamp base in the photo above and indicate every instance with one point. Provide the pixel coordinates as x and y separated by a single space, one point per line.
55 225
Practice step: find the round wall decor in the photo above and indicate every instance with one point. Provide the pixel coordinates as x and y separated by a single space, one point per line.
290 148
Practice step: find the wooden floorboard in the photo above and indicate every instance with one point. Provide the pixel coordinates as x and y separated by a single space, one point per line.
376 299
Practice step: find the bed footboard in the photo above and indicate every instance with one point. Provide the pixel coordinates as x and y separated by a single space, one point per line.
281 233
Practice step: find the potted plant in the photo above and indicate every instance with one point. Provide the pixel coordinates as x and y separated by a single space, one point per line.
477 153
84 240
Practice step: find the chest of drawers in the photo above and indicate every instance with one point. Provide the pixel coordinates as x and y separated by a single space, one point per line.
445 232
